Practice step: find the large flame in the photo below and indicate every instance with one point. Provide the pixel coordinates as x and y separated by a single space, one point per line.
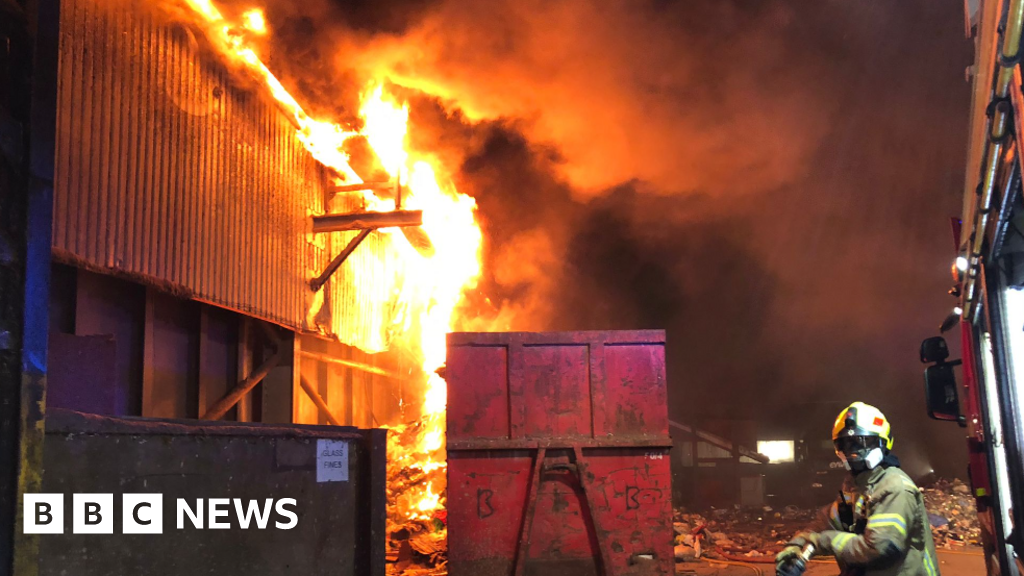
323 139
431 286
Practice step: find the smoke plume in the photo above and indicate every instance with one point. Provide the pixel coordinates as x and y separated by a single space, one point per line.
769 181
676 97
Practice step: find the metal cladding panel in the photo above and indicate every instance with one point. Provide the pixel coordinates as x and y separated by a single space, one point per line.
340 527
558 454
168 171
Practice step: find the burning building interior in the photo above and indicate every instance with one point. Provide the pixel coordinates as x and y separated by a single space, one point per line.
254 226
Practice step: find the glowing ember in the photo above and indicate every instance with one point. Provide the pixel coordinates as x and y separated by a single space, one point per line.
430 502
429 288
253 21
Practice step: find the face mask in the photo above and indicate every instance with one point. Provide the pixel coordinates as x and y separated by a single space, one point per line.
870 460
859 453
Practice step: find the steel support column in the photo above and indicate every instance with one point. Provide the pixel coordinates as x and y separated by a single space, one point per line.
28 88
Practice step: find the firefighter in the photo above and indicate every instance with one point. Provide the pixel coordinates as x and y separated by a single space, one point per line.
878 525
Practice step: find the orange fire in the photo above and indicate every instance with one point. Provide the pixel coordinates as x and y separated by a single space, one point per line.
432 286
254 22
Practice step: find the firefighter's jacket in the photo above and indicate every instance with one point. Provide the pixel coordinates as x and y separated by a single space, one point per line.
878 526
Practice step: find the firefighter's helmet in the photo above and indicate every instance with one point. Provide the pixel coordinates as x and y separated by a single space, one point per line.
862 436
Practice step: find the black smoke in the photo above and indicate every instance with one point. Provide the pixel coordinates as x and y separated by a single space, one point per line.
770 182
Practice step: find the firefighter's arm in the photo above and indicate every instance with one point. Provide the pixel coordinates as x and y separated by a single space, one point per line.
834 520
827 519
884 539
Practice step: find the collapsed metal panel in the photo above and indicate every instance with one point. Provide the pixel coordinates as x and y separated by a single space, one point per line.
340 529
558 454
174 171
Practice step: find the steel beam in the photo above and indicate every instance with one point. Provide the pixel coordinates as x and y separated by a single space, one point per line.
361 366
720 442
373 186
318 282
318 401
218 410
364 220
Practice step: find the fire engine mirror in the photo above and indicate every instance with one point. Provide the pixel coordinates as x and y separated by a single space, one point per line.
940 392
934 349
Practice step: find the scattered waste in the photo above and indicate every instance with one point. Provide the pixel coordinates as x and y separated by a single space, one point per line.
756 534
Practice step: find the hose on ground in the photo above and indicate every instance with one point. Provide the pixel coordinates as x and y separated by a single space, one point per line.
755 569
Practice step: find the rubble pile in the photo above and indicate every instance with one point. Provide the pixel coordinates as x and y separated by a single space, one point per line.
952 514
418 547
747 534
757 534
417 539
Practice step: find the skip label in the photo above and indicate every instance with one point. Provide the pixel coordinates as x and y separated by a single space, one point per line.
331 461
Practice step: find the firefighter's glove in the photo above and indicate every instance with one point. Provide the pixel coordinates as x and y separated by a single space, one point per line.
788 562
804 538
793 567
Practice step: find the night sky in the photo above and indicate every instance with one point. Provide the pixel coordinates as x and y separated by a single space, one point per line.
769 182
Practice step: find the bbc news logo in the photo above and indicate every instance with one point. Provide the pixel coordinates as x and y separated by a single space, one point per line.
143 514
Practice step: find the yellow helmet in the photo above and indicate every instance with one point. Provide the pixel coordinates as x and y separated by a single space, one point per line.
860 419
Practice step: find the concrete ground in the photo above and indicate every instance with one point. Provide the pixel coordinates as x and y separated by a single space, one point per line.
969 563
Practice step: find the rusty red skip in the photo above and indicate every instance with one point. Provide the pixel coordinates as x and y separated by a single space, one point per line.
558 454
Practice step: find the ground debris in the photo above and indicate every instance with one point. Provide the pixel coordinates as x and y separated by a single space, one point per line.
756 534
429 543
413 571
418 548
746 534
952 514
417 539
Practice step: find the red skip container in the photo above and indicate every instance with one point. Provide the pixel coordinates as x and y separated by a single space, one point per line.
558 454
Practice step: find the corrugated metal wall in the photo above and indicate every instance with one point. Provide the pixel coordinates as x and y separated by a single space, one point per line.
166 171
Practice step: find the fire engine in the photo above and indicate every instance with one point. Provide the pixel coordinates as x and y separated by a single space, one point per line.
987 317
